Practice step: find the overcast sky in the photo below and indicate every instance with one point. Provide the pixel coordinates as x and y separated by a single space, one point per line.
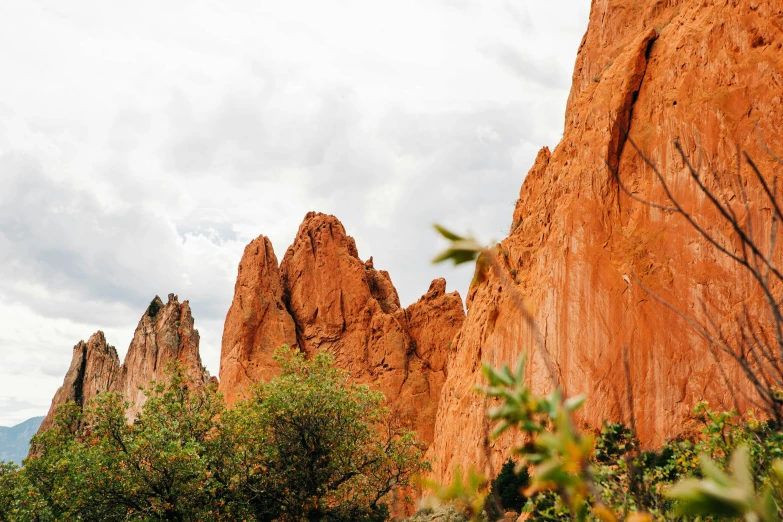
143 144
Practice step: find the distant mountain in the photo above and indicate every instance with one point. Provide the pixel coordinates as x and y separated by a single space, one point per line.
15 441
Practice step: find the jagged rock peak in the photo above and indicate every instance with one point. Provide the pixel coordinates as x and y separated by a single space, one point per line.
325 298
330 293
257 322
94 368
165 334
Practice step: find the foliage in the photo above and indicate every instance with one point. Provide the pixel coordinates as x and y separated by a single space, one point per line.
722 496
467 493
445 513
320 448
732 469
93 465
306 446
8 483
153 308
461 249
505 492
559 457
615 441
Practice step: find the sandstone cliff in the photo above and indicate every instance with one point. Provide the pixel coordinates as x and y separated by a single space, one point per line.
433 324
324 298
165 334
257 323
94 368
704 73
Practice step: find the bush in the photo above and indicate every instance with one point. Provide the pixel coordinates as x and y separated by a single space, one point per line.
306 446
319 447
153 308
506 490
443 513
732 469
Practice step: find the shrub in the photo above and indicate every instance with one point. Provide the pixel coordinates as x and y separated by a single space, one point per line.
153 308
306 446
319 447
506 490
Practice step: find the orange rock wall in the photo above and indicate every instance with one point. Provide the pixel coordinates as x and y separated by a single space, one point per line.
324 298
701 72
94 368
165 334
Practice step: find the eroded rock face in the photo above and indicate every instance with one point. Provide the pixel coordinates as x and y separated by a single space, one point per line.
343 306
325 298
433 324
94 368
257 323
348 308
703 73
165 334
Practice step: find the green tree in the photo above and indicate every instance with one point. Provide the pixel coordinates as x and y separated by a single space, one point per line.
317 447
45 482
507 490
93 465
308 445
9 477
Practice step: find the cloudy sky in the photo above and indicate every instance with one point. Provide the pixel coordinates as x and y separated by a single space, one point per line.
144 143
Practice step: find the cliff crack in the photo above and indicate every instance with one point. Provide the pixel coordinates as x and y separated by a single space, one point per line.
621 124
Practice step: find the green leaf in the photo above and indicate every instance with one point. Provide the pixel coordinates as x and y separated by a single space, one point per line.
768 509
740 466
712 472
451 236
706 498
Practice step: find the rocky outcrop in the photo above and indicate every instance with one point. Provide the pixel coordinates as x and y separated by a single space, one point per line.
343 306
433 324
704 73
257 323
708 74
325 298
165 334
348 308
94 368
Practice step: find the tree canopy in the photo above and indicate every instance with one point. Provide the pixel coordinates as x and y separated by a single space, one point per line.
307 445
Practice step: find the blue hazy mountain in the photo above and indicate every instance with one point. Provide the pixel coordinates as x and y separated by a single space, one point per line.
15 441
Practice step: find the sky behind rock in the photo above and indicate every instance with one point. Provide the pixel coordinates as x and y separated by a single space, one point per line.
143 145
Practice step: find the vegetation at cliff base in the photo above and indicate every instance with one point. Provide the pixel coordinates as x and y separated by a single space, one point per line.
308 445
731 469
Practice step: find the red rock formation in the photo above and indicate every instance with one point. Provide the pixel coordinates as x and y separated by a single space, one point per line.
704 73
350 309
324 298
94 367
257 323
433 322
165 334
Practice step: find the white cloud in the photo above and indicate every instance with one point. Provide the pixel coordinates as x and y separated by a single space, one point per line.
143 145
